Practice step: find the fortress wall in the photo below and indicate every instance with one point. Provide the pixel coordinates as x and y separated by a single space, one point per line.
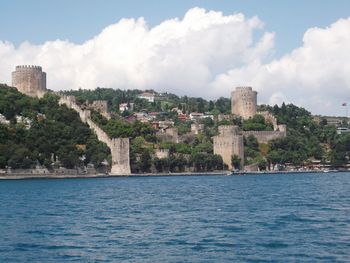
228 130
282 127
265 136
269 118
238 148
101 106
119 146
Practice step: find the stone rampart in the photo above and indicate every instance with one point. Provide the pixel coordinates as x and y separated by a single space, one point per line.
269 118
119 146
101 106
265 136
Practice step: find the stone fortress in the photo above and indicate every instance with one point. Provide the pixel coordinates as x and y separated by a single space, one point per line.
229 142
119 146
244 102
30 80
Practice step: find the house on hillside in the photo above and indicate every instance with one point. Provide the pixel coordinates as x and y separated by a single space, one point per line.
126 107
147 96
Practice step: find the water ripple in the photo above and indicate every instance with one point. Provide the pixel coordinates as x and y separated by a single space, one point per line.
272 218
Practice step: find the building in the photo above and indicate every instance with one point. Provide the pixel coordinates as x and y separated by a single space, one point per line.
244 102
162 124
147 96
229 143
29 80
126 107
194 116
343 130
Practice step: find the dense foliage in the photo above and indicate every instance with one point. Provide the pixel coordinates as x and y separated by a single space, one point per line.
53 135
57 137
306 139
163 102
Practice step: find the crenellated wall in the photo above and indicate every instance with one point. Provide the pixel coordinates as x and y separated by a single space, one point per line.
29 80
119 146
101 106
265 136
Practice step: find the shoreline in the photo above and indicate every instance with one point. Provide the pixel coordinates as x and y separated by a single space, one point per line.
217 173
81 176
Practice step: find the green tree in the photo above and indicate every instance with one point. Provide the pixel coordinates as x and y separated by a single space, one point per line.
236 161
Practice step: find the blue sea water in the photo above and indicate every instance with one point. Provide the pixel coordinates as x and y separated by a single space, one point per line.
269 218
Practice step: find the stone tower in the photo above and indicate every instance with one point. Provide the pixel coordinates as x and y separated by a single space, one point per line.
29 80
244 102
228 143
120 156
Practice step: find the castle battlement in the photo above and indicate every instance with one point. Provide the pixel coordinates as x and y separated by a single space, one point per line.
228 130
28 67
265 136
244 88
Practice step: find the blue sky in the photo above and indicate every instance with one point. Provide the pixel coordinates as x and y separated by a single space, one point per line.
289 51
78 20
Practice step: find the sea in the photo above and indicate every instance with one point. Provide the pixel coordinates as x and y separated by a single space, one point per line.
252 218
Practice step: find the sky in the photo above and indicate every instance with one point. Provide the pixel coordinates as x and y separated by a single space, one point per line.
289 51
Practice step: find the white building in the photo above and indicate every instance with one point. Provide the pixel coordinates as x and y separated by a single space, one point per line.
126 107
147 96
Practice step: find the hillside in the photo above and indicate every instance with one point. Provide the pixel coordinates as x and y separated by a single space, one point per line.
306 139
40 132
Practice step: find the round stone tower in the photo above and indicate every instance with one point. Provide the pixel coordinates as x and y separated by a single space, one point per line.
30 80
244 102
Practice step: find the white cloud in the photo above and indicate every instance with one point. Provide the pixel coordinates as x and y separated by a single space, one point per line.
205 54
315 75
